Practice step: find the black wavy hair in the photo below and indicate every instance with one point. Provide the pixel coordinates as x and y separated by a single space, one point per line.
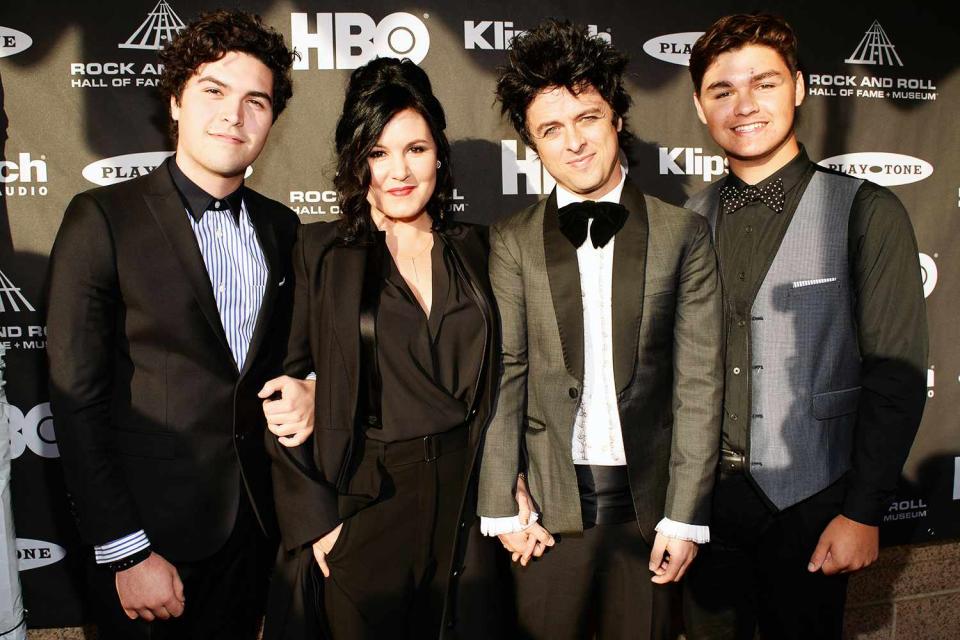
376 92
558 53
212 36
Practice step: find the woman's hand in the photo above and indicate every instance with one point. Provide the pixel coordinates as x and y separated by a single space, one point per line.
323 546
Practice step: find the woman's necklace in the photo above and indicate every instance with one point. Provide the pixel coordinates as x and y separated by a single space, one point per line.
413 257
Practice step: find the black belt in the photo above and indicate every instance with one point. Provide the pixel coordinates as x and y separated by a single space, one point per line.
604 494
425 449
732 461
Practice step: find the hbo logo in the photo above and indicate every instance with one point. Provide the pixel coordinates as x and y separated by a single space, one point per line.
350 40
32 431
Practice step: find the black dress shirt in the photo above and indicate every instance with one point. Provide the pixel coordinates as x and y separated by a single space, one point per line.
888 308
428 365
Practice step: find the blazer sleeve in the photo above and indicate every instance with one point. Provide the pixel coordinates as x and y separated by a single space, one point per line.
84 311
698 381
306 504
502 445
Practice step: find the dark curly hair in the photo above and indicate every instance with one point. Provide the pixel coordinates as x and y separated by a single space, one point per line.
730 33
560 54
376 92
212 36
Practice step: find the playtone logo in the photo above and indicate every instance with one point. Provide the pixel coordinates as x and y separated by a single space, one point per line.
13 42
350 40
33 554
125 167
888 169
496 35
673 48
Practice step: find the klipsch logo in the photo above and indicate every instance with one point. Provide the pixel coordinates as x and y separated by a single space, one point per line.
121 168
160 27
33 431
25 177
13 42
673 48
499 34
691 161
874 50
11 298
33 554
350 40
888 169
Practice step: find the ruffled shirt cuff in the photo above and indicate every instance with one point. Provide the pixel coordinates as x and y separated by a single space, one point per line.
681 531
508 524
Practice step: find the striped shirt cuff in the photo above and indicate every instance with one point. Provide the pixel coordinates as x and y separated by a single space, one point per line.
698 533
121 548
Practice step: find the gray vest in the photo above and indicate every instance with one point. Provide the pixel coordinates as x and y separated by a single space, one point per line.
804 353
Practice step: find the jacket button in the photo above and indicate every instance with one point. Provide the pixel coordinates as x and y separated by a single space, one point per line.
573 392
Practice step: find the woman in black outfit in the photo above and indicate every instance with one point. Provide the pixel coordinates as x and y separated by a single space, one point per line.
394 313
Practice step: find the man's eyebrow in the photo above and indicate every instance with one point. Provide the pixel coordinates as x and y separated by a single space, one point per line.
250 94
726 84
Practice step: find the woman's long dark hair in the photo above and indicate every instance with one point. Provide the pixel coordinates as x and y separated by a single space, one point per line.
376 92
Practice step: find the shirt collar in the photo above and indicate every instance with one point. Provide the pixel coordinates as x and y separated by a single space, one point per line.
197 201
791 173
565 197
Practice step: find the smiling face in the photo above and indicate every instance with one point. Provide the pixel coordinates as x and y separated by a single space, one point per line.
748 99
576 139
223 119
403 168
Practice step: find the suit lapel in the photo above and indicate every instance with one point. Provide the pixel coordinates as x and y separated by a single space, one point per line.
629 270
346 266
165 205
563 274
267 236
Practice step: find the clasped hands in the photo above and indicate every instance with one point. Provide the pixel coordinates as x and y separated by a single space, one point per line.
669 558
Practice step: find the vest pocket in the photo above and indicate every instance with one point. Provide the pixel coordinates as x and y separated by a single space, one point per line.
832 404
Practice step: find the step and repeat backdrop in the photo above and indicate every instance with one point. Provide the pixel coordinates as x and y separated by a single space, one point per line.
79 108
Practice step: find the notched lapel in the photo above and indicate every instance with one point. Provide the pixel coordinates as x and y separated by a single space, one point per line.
267 236
167 209
629 272
563 274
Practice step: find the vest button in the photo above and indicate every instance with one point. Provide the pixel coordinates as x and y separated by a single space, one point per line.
573 392
734 417
741 323
736 371
741 276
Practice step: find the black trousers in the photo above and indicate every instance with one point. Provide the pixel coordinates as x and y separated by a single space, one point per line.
225 593
390 564
754 574
594 585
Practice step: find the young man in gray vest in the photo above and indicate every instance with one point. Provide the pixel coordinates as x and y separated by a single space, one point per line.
826 347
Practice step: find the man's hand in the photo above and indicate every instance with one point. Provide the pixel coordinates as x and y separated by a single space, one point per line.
531 541
845 546
670 558
290 417
323 546
150 589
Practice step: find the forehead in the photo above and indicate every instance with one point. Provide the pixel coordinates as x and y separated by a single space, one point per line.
404 126
745 61
239 70
556 102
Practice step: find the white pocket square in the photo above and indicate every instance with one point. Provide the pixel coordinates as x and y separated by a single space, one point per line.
810 283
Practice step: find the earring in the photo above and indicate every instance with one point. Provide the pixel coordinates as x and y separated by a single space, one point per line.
438 164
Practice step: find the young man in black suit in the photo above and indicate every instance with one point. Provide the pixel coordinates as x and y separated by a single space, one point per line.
168 307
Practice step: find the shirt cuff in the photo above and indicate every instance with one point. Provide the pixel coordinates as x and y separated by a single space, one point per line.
508 524
311 376
693 532
121 548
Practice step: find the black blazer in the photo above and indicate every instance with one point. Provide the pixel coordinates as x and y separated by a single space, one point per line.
157 428
310 480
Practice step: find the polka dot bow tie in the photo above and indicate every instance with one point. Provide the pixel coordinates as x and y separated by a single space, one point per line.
732 198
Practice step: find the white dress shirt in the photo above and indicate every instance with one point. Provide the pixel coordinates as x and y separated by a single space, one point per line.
597 434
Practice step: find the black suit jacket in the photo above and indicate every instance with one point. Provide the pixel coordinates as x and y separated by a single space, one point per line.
157 428
311 481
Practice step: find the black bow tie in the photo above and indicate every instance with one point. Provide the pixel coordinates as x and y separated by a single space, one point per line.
608 218
732 198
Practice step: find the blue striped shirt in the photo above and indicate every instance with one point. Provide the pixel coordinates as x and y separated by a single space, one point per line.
238 273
